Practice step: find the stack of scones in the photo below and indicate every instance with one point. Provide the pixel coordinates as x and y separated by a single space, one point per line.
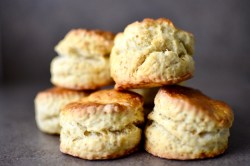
146 62
82 66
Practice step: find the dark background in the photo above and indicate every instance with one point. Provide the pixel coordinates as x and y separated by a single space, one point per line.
29 30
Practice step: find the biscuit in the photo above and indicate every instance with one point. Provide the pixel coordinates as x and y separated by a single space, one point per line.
185 124
48 104
104 125
83 61
151 53
85 43
80 73
148 94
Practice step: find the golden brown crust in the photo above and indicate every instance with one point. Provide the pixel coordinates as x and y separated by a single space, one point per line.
58 91
90 87
123 97
119 101
90 107
102 126
86 43
185 124
152 22
95 32
97 157
216 110
149 84
151 53
159 20
183 156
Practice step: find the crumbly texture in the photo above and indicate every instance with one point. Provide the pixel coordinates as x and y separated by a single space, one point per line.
85 43
185 124
151 53
48 104
80 73
148 94
104 125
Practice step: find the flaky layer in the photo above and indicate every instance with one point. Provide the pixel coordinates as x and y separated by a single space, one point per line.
48 104
163 143
104 125
186 124
79 141
80 73
151 53
95 116
180 102
85 43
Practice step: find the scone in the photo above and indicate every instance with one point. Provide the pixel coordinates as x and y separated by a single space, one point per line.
185 124
151 53
85 43
48 104
148 94
83 61
80 73
105 125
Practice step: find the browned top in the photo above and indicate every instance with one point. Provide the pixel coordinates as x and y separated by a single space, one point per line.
216 110
113 96
61 91
150 21
116 100
95 33
159 20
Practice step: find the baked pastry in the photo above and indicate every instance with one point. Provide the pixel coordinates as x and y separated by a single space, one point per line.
148 94
80 73
185 124
83 61
48 104
104 125
85 43
151 53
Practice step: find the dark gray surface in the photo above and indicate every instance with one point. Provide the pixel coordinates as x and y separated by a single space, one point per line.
23 144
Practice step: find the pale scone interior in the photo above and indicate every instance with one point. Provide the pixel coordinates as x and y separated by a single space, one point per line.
48 104
151 53
95 128
83 61
81 73
187 127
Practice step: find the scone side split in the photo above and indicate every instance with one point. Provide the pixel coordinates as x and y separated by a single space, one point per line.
81 73
83 61
48 104
104 125
185 124
151 53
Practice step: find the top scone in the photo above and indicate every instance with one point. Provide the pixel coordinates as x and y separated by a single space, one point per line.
83 61
151 53
85 43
